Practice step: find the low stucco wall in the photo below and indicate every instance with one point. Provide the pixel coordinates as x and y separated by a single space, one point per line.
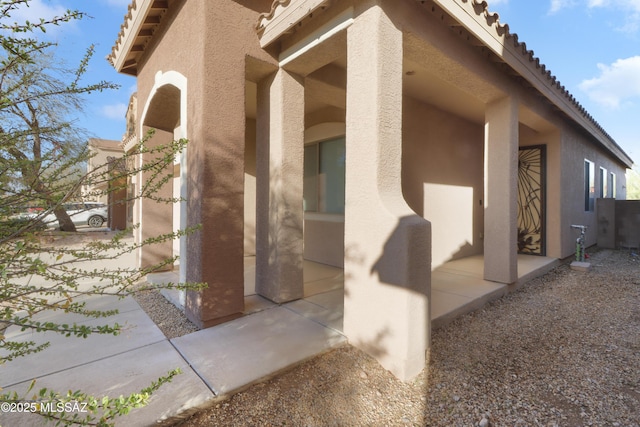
606 232
324 241
628 223
618 223
575 150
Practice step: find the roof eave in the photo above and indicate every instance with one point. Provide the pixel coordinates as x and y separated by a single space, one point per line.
132 38
497 38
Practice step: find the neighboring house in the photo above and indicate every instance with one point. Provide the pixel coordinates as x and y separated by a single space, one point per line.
106 156
129 140
100 152
385 137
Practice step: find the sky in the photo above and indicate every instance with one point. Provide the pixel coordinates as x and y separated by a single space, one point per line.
104 112
591 46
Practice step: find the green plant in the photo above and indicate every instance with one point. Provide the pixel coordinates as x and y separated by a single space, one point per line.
78 408
633 184
40 150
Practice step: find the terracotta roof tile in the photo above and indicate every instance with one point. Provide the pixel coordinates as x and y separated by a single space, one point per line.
127 19
269 15
502 30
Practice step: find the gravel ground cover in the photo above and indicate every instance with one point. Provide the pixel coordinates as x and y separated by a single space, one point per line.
168 318
564 350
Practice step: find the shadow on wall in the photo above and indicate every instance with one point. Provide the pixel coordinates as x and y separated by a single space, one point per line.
405 259
280 229
443 178
216 201
403 263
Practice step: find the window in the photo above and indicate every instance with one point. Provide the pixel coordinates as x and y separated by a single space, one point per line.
324 176
603 183
589 186
612 185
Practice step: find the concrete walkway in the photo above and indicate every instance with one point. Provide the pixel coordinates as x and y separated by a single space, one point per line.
225 358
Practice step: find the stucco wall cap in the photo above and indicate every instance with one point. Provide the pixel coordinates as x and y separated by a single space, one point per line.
104 144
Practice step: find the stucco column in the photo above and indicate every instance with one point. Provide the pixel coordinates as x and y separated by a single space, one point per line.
157 216
501 190
279 170
215 188
387 246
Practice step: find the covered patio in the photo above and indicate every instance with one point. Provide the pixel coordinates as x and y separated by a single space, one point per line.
457 288
382 138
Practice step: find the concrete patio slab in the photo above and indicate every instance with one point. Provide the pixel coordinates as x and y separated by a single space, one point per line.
101 303
331 300
443 304
458 287
580 266
532 266
463 285
68 352
256 303
124 374
314 271
446 307
164 277
243 351
326 308
471 266
324 285
227 357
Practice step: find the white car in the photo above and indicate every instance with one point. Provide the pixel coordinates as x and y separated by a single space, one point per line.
81 213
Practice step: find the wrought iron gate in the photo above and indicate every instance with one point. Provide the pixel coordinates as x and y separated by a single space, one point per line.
531 200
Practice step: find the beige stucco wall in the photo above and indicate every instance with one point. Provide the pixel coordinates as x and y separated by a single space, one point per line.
553 189
250 188
567 150
324 239
99 160
213 61
398 150
387 262
442 178
574 152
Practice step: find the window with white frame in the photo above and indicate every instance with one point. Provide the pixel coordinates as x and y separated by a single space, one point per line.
324 176
603 183
589 185
612 185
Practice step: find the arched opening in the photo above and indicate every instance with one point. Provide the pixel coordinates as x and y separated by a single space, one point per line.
165 112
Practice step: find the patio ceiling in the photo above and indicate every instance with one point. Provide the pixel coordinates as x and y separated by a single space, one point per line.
469 19
472 21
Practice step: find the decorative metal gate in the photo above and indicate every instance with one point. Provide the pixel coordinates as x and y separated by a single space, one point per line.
531 200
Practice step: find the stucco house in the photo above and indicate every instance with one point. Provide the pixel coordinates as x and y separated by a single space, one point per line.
384 137
105 155
101 152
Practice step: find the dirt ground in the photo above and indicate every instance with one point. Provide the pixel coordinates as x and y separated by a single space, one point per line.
564 350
